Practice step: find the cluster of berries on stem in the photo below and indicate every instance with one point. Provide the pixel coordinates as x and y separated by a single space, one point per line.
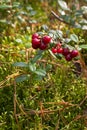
43 42
40 42
65 51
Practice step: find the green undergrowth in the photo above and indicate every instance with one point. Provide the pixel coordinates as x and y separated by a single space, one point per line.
57 101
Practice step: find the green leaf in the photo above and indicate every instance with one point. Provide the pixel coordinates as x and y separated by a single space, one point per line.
32 67
84 27
16 4
67 40
21 78
38 77
18 41
84 9
3 21
59 33
63 5
45 27
62 12
32 13
66 18
52 54
5 7
40 72
74 38
83 46
20 64
37 57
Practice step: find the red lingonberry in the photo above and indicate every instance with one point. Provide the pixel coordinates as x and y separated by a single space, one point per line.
36 43
34 46
68 57
43 46
35 35
65 51
46 39
60 50
54 50
74 53
58 45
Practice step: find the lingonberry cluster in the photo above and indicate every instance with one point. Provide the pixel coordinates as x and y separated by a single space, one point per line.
40 42
66 52
43 42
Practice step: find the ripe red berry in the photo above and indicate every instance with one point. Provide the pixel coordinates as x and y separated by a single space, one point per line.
43 46
36 43
35 35
74 53
58 45
68 57
34 46
54 50
65 51
46 39
60 50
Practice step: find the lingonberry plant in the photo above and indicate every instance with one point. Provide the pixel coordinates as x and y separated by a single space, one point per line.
44 42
